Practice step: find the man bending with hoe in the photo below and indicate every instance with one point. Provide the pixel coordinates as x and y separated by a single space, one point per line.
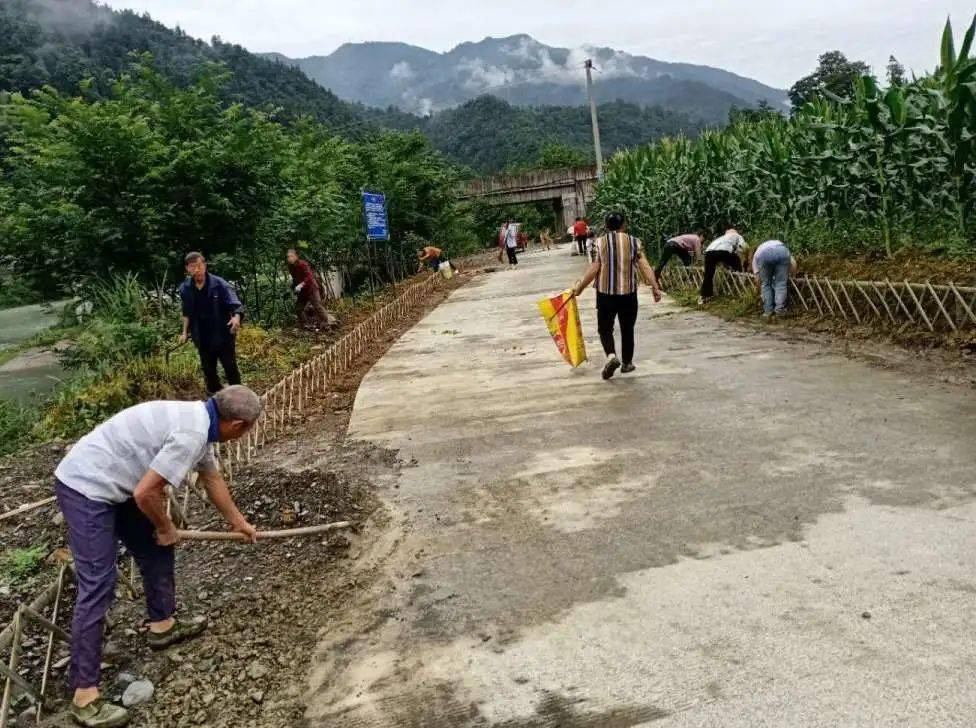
111 487
211 317
619 258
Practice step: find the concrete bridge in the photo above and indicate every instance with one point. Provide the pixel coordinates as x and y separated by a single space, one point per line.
569 189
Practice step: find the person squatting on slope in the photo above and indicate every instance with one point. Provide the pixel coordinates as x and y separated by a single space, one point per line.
212 315
111 487
728 250
620 257
307 289
686 247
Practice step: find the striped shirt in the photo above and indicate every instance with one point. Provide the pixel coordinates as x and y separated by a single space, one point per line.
619 254
169 437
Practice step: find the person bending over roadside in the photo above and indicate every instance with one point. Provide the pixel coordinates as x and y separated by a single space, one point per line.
307 289
620 256
687 247
728 250
772 265
111 487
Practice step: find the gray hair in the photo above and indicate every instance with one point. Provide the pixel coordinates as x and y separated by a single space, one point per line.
237 402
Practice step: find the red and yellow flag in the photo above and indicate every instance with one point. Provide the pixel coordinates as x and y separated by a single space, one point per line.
562 318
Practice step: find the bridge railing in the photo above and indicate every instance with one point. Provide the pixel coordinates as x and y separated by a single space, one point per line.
531 180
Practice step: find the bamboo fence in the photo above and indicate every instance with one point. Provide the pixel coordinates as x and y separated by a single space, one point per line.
941 308
284 403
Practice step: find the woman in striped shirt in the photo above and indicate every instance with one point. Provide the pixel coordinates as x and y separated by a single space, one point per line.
619 256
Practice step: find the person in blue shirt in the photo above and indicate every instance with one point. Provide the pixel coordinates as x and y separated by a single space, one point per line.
212 315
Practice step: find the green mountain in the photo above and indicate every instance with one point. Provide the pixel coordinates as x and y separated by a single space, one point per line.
525 72
489 134
64 42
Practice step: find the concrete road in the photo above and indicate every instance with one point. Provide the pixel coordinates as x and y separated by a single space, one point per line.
744 532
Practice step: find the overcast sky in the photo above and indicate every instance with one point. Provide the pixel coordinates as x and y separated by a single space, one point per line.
773 41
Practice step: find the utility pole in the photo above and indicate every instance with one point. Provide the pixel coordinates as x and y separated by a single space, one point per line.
596 124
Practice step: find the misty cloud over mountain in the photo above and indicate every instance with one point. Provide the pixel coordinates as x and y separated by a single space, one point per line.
523 71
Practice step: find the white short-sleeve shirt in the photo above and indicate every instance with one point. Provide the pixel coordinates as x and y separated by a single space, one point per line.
168 437
729 243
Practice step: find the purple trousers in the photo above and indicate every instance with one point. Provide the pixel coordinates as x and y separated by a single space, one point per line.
94 532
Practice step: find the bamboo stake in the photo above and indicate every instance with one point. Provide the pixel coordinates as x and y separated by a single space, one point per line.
884 301
962 302
44 622
921 309
50 642
823 296
858 287
900 302
796 290
26 507
813 294
938 302
262 535
833 293
11 671
843 287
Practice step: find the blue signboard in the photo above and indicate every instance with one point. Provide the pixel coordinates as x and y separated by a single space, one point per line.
374 209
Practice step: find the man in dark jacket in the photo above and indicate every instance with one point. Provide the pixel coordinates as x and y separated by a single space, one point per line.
305 285
211 317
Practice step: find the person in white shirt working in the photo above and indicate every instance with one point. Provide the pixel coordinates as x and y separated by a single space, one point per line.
729 250
111 487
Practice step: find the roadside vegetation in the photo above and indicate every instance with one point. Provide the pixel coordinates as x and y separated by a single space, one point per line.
102 195
877 171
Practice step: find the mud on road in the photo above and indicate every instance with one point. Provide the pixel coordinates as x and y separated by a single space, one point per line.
266 603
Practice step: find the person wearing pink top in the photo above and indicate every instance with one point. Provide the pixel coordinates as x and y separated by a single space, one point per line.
687 247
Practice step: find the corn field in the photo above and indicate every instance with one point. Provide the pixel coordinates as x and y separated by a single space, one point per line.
887 168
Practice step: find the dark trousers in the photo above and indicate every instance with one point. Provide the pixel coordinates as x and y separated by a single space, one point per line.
305 299
713 259
581 244
226 354
511 256
94 531
610 307
670 250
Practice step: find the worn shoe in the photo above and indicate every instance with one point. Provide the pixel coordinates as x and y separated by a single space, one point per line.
100 714
179 632
610 368
627 368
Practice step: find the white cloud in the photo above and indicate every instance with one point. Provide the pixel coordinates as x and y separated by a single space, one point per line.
482 76
402 71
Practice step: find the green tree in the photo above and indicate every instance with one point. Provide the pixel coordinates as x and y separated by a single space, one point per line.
834 76
895 72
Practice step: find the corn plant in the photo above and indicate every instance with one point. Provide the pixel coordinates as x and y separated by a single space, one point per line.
889 165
